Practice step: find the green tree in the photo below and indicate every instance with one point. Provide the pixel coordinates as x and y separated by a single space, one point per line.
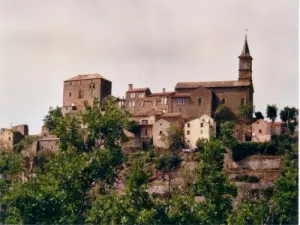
60 191
259 115
166 164
246 112
213 185
223 113
272 112
200 143
174 137
285 196
288 117
250 212
226 133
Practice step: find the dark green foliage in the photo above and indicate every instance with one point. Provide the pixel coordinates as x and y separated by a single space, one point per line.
278 146
133 127
226 134
167 163
259 115
250 212
200 143
25 143
214 185
285 196
246 112
223 114
174 137
247 178
272 112
288 117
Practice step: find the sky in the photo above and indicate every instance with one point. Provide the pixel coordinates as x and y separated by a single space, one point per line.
149 43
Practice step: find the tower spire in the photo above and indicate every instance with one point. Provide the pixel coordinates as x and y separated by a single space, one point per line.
245 51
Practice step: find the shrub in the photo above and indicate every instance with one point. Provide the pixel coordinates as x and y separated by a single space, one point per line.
167 163
197 156
200 143
247 178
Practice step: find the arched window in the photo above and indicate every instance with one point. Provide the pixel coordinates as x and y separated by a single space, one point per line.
223 100
94 85
242 102
199 101
70 94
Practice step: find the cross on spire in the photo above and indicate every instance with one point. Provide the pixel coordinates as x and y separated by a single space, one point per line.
246 34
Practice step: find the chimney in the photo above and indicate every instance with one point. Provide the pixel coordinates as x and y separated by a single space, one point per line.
164 90
130 86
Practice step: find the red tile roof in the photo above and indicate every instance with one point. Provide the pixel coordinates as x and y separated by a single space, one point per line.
182 95
137 90
86 77
211 84
170 115
162 93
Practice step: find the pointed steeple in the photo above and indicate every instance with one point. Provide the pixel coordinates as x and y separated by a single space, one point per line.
245 65
245 51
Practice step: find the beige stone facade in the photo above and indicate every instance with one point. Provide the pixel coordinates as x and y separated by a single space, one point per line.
161 126
10 137
262 131
203 127
84 88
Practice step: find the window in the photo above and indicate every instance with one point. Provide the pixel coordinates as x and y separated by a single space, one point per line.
70 94
201 124
181 100
199 101
164 101
154 102
129 104
141 95
94 85
188 132
242 102
160 124
259 131
80 95
9 138
146 132
223 100
133 104
201 131
188 125
132 95
160 132
141 103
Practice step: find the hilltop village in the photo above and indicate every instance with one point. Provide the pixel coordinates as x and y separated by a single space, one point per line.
193 106
192 155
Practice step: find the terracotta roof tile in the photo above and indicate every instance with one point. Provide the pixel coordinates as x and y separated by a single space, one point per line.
182 95
86 77
169 115
162 93
137 90
211 84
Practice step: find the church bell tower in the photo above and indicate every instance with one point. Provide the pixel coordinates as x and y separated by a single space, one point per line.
245 65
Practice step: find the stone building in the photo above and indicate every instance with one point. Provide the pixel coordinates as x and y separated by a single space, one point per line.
10 137
161 126
262 131
194 99
84 88
203 127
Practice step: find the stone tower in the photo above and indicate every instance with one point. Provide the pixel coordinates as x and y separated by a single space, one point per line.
245 66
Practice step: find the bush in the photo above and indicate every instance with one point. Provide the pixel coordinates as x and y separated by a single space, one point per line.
243 150
167 163
200 143
247 178
197 156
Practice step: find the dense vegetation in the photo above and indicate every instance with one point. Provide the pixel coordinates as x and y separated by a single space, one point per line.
74 186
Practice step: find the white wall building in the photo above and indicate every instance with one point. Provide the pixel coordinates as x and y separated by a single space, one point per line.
203 127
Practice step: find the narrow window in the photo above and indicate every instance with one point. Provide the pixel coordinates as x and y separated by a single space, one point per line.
260 131
199 101
160 124
160 132
201 125
188 132
146 132
223 100
9 138
201 131
188 125
94 85
70 94
242 102
80 94
133 104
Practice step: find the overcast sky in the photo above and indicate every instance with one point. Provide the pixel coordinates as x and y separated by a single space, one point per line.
150 43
